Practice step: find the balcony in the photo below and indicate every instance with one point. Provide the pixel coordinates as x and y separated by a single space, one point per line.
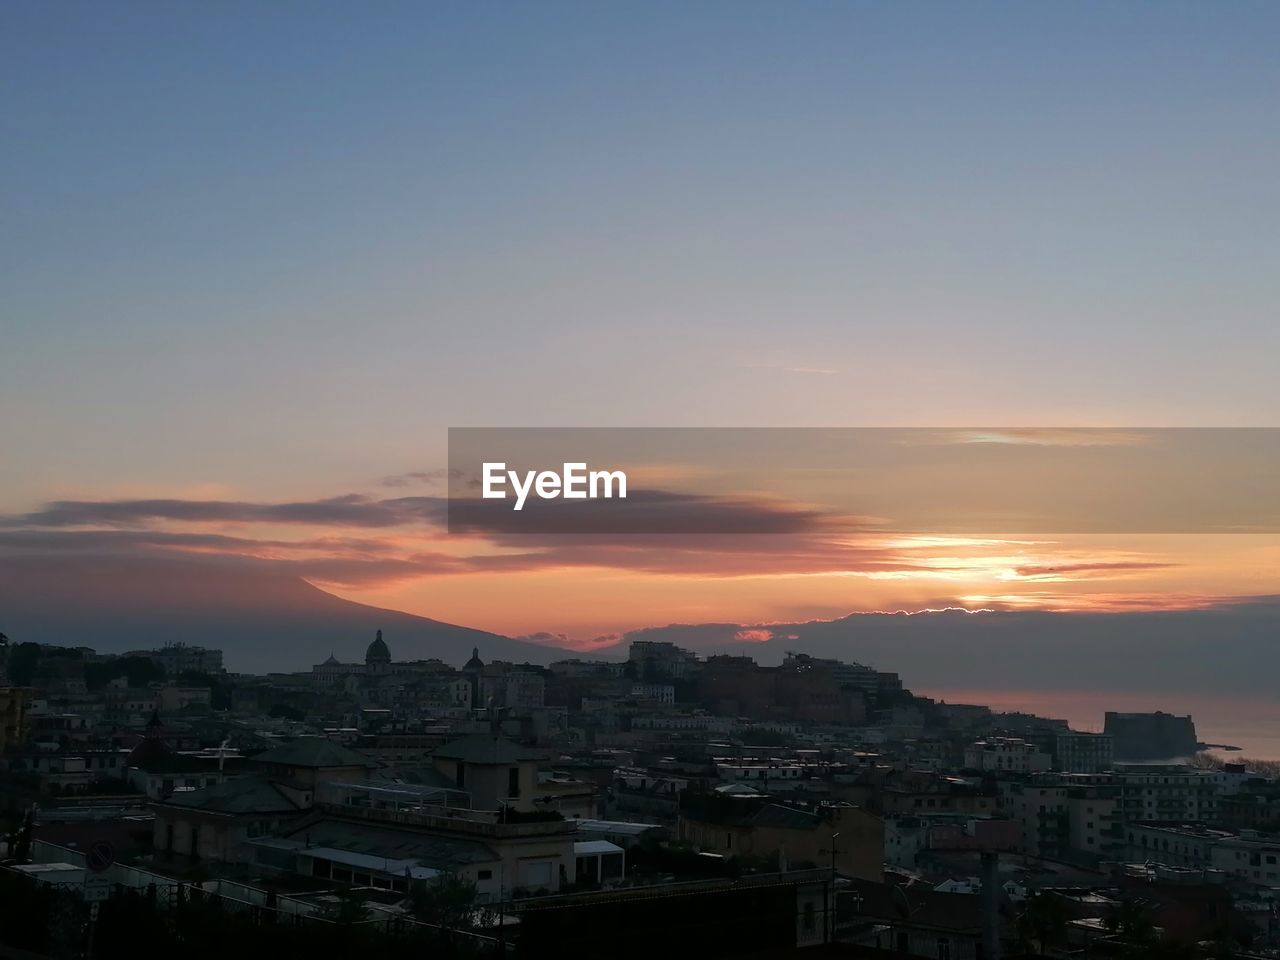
420 807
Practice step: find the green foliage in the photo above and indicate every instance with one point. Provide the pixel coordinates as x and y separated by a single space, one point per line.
20 839
448 901
679 860
138 671
1042 924
282 711
1132 925
766 738
349 909
219 688
22 663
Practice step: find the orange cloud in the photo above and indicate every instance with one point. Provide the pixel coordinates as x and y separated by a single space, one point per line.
394 552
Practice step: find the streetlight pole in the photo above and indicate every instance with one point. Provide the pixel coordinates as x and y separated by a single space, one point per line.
831 908
502 925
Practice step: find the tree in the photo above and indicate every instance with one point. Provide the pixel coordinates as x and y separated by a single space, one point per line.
20 845
349 909
138 672
1043 922
219 687
448 901
23 660
1131 923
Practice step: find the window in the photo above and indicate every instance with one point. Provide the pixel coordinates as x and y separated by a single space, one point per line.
808 916
513 782
535 874
484 874
460 774
944 948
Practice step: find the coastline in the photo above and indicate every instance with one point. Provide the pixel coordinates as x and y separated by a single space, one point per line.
1239 728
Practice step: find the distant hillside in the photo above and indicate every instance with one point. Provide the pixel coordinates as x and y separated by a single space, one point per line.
268 620
1231 649
263 620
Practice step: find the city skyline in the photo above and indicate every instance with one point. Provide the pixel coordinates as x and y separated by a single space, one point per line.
258 264
734 479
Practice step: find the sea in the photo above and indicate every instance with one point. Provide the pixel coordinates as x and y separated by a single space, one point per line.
1250 723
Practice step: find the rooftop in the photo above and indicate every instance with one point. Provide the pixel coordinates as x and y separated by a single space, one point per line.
588 848
241 795
619 827
384 843
787 818
313 752
485 748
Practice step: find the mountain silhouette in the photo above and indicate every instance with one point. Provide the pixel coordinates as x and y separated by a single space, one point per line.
1226 649
265 619
262 619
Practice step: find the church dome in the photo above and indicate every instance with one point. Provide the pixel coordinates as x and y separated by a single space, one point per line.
151 752
377 652
475 663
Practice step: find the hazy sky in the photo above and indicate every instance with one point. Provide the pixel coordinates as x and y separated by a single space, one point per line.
265 252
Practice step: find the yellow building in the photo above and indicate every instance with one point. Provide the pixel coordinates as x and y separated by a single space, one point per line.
755 827
15 717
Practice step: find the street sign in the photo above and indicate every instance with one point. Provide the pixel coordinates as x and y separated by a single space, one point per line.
97 887
99 856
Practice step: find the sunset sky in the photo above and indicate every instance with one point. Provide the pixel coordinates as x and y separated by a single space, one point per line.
257 259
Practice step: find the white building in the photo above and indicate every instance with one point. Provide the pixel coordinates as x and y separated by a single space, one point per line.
1078 752
904 838
178 658
1249 855
655 692
1007 754
683 722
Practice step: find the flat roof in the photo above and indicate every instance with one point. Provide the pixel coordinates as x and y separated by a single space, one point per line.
591 848
615 826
